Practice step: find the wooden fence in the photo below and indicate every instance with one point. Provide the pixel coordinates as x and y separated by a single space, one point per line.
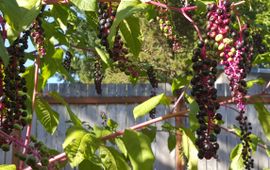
122 112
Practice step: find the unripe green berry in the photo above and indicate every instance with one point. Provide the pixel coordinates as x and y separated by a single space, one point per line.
5 147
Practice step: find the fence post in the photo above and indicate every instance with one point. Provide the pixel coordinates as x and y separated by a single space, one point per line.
179 121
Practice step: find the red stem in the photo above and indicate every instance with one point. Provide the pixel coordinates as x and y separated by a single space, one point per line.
29 126
193 23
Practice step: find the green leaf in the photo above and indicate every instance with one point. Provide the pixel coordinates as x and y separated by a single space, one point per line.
264 118
139 150
104 56
3 51
46 115
86 165
85 5
29 75
19 14
251 83
189 148
130 29
8 167
237 162
150 132
194 108
52 64
112 159
101 132
171 141
150 104
121 146
75 120
79 145
125 9
112 124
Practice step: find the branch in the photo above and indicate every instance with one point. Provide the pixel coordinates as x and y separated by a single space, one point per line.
193 23
169 115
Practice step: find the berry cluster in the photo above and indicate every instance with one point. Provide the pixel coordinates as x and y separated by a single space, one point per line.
154 83
13 106
258 44
37 152
166 27
153 112
98 76
67 61
38 36
205 95
118 53
106 16
238 67
152 77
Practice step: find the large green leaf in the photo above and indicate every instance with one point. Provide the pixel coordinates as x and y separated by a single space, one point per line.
171 141
121 146
259 81
85 5
189 148
79 145
194 108
46 115
150 132
75 120
3 51
52 64
7 167
125 9
29 76
112 160
237 162
104 56
130 29
264 118
150 104
139 150
19 14
86 165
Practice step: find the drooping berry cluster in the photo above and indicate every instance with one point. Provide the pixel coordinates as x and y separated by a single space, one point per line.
259 46
118 52
166 27
237 69
37 152
13 106
98 76
38 36
154 83
106 16
205 95
236 51
152 77
67 61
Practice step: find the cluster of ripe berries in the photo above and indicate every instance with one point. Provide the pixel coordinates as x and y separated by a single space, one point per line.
118 53
13 90
236 51
205 95
98 76
67 61
154 83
